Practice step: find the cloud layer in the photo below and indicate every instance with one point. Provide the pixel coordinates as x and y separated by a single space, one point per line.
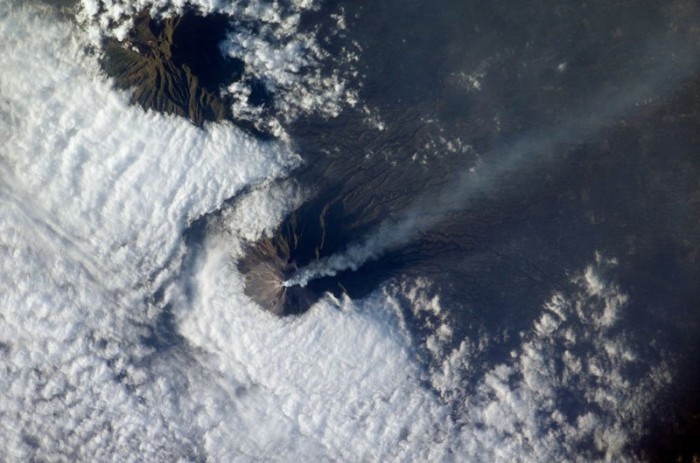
298 73
95 197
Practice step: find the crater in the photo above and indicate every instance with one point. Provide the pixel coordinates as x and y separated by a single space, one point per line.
266 266
302 239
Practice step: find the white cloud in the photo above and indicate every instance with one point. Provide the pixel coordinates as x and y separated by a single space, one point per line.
568 383
298 73
94 198
73 152
564 389
242 222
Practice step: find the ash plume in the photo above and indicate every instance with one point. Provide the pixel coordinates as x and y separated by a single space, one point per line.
520 157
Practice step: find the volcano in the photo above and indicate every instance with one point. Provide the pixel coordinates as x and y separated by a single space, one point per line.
266 267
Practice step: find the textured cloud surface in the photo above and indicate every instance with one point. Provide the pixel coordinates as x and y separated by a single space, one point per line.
287 60
95 197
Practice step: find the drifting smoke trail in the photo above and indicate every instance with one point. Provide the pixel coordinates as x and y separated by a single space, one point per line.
387 237
677 60
390 235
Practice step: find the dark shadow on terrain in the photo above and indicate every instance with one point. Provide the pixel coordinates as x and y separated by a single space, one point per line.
195 44
175 66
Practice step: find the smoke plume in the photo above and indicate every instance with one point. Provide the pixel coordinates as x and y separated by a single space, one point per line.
676 61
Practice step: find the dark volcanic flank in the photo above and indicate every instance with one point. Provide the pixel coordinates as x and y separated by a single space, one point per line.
174 65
